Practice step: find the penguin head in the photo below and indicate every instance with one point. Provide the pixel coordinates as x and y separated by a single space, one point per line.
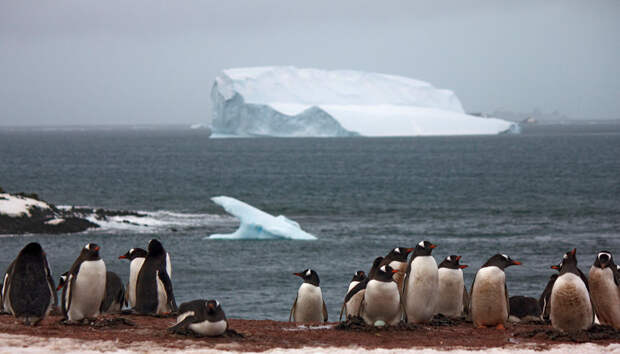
90 252
399 254
359 276
501 261
133 254
213 306
604 259
309 276
155 248
375 265
62 280
569 262
424 248
385 273
452 262
32 249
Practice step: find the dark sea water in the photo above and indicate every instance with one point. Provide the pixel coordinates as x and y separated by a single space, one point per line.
532 196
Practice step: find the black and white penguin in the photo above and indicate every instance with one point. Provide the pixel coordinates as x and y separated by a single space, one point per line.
350 306
85 286
489 303
201 317
356 293
136 257
397 259
309 305
28 289
571 306
523 308
604 281
114 294
154 295
421 284
544 301
453 298
381 304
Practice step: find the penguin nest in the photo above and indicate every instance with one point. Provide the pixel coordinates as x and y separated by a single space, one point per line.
596 332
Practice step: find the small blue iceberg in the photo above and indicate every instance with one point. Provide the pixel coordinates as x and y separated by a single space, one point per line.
258 225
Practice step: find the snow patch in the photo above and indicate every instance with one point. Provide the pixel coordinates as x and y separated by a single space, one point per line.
55 221
16 205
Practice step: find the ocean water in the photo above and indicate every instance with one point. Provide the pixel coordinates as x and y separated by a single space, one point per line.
532 196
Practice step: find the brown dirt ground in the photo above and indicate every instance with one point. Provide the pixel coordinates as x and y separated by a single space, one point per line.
261 335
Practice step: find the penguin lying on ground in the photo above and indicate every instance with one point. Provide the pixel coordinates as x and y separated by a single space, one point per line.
136 257
28 289
85 286
489 304
350 306
421 285
453 298
523 308
154 295
201 317
309 305
571 306
355 295
604 281
381 304
397 259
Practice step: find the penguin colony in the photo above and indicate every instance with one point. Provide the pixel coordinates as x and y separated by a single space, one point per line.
397 288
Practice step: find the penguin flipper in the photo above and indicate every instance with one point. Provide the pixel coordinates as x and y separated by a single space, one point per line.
471 294
342 310
165 279
324 312
181 327
616 272
50 281
507 301
6 285
292 313
67 291
356 289
465 301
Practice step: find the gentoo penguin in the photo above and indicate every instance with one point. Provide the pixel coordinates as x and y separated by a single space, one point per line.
571 307
453 298
523 308
201 317
356 292
136 257
85 286
604 281
309 305
351 307
421 284
381 304
114 294
397 259
545 298
28 289
489 304
154 294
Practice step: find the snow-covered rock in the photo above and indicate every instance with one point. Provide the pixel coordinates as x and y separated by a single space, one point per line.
18 205
257 224
287 101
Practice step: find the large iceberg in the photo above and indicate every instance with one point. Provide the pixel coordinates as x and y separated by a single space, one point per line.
256 224
288 102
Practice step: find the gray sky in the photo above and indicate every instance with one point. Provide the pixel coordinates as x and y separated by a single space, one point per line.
141 62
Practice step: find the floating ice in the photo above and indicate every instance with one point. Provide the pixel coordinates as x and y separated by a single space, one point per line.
287 101
256 224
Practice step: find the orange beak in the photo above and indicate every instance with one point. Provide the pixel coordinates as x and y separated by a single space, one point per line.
432 246
122 257
408 250
573 252
394 270
59 287
97 248
555 267
516 262
458 258
298 274
463 266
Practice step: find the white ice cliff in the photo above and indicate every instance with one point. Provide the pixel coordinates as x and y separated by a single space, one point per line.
256 224
289 102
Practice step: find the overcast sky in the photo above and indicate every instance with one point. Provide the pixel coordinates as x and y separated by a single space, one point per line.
141 62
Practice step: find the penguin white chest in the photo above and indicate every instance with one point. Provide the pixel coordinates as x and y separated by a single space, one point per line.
570 304
309 307
162 297
352 285
488 298
422 288
88 291
207 328
605 295
450 299
134 270
381 302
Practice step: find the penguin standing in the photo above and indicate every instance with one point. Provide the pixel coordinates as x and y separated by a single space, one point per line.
604 281
489 303
136 257
85 286
544 301
355 295
571 307
28 289
397 259
154 295
421 284
114 297
351 305
453 298
309 305
381 304
201 317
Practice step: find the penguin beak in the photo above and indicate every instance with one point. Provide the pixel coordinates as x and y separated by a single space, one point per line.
573 252
408 250
298 274
458 258
432 246
122 257
97 248
211 306
516 262
59 287
394 271
556 267
463 266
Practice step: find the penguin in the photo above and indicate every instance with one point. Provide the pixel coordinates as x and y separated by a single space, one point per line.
114 294
453 298
523 308
571 306
309 305
351 305
421 285
84 289
605 289
381 304
545 298
397 259
136 257
28 289
202 318
489 303
352 300
154 295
